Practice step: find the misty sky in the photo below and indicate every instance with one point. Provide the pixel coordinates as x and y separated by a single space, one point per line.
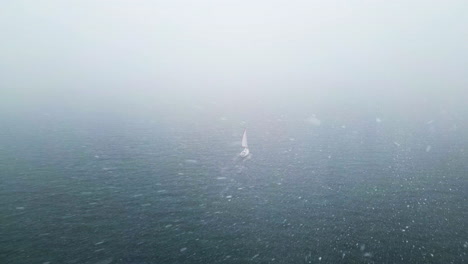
232 51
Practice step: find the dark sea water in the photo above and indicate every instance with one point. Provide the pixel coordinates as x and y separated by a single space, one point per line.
338 188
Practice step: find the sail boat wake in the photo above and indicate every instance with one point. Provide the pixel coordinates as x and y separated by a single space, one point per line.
246 151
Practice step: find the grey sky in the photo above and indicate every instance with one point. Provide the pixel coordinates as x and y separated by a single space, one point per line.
220 49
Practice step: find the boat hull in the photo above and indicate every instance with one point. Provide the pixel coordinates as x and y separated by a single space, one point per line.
244 153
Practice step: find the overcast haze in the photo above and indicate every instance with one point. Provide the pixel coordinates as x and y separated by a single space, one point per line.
103 53
121 125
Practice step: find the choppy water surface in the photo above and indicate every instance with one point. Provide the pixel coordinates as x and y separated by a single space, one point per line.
138 190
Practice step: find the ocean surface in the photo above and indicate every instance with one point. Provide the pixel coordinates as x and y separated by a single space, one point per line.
346 187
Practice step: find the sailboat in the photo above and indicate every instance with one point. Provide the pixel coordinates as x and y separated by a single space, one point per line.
246 151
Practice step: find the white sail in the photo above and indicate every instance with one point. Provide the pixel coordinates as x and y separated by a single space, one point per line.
244 139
